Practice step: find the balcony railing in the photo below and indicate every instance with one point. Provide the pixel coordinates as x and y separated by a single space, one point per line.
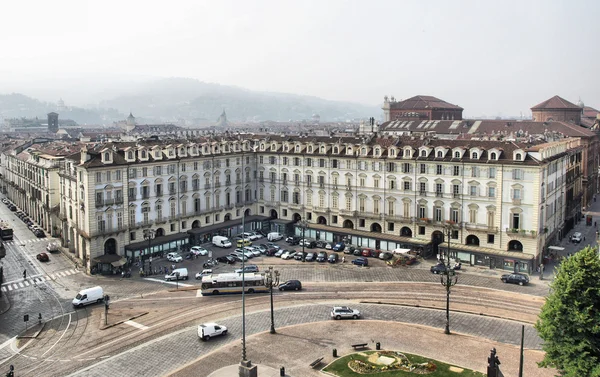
439 194
423 220
321 209
106 231
423 193
228 206
161 220
521 232
207 185
109 202
346 212
401 219
217 184
295 206
371 215
481 227
516 202
144 223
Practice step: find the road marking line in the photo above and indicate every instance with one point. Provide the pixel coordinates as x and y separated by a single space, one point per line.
3 289
63 334
10 288
199 293
61 274
168 282
21 285
137 325
26 283
68 272
52 277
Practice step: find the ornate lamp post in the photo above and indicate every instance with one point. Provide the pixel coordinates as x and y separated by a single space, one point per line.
272 280
448 278
149 235
303 224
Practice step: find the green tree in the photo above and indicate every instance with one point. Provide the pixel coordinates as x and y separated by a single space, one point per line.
569 322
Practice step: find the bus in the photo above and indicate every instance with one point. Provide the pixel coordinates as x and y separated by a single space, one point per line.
6 232
217 284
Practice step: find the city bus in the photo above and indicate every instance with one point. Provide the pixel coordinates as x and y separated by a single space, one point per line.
6 232
217 284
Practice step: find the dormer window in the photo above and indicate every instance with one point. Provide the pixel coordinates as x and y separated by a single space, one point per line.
440 154
182 152
143 154
106 156
335 149
377 151
297 148
349 150
130 155
423 153
156 154
456 154
322 149
493 156
364 152
171 152
474 156
273 147
392 152
309 149
262 147
518 156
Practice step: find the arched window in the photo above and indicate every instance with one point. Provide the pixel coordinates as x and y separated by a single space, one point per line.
130 155
474 155
297 148
440 154
335 149
143 154
106 156
423 153
493 156
322 149
376 151
456 154
518 157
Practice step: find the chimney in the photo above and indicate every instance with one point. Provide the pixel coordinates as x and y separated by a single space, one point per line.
84 155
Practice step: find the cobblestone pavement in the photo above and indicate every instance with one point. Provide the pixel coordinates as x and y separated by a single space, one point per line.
167 353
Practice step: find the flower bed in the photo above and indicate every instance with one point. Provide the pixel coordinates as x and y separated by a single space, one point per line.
402 362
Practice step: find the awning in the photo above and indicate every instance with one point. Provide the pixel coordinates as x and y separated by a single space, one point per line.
107 258
141 245
119 263
558 248
226 224
362 233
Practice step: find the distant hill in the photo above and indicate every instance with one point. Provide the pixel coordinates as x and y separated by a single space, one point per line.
192 99
169 100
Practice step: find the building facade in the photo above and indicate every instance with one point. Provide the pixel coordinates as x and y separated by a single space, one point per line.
420 108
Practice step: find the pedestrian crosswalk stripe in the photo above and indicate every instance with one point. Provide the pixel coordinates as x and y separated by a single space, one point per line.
21 285
3 289
10 287
26 283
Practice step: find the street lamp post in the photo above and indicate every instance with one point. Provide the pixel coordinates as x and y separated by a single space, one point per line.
149 235
449 278
272 280
303 224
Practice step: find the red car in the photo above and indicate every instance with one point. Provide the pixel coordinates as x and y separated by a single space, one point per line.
43 257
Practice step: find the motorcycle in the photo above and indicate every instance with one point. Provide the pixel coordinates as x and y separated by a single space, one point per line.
210 263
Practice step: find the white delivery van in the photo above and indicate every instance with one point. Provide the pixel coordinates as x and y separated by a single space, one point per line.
183 274
88 296
210 330
221 241
274 236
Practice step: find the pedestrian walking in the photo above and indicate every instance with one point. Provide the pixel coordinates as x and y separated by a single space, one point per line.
25 274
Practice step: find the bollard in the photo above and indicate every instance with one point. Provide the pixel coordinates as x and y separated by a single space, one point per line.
377 346
335 352
282 372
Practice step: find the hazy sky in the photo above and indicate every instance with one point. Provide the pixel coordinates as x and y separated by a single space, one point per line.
490 57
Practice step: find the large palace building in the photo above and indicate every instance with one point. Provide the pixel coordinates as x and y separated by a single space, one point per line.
500 202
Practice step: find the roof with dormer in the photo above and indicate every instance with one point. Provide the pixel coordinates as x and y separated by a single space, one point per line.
421 102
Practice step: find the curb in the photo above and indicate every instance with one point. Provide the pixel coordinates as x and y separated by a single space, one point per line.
4 304
34 335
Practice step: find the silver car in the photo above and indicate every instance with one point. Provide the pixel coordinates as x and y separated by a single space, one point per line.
339 312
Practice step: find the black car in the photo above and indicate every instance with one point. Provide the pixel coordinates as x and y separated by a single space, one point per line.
333 258
310 257
515 278
226 259
39 233
322 257
293 240
321 244
438 269
291 285
12 208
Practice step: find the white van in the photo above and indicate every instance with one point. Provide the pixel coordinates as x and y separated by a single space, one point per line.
210 330
183 274
274 236
221 241
88 296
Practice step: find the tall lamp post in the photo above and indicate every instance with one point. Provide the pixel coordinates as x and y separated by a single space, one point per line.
149 235
272 280
448 278
303 224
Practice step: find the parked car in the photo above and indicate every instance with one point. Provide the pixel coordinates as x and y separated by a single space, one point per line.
227 259
257 235
357 252
238 257
280 252
439 268
42 257
300 255
308 243
328 246
290 255
174 257
200 275
576 237
333 258
252 236
210 330
247 268
310 257
322 257
271 251
285 255
386 255
515 278
263 248
198 250
340 246
273 245
339 312
294 240
321 244
290 285
362 261
39 233
53 247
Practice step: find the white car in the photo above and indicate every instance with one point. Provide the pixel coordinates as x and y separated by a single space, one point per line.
289 255
174 257
199 275
255 251
198 250
328 246
210 330
257 235
339 312
576 237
